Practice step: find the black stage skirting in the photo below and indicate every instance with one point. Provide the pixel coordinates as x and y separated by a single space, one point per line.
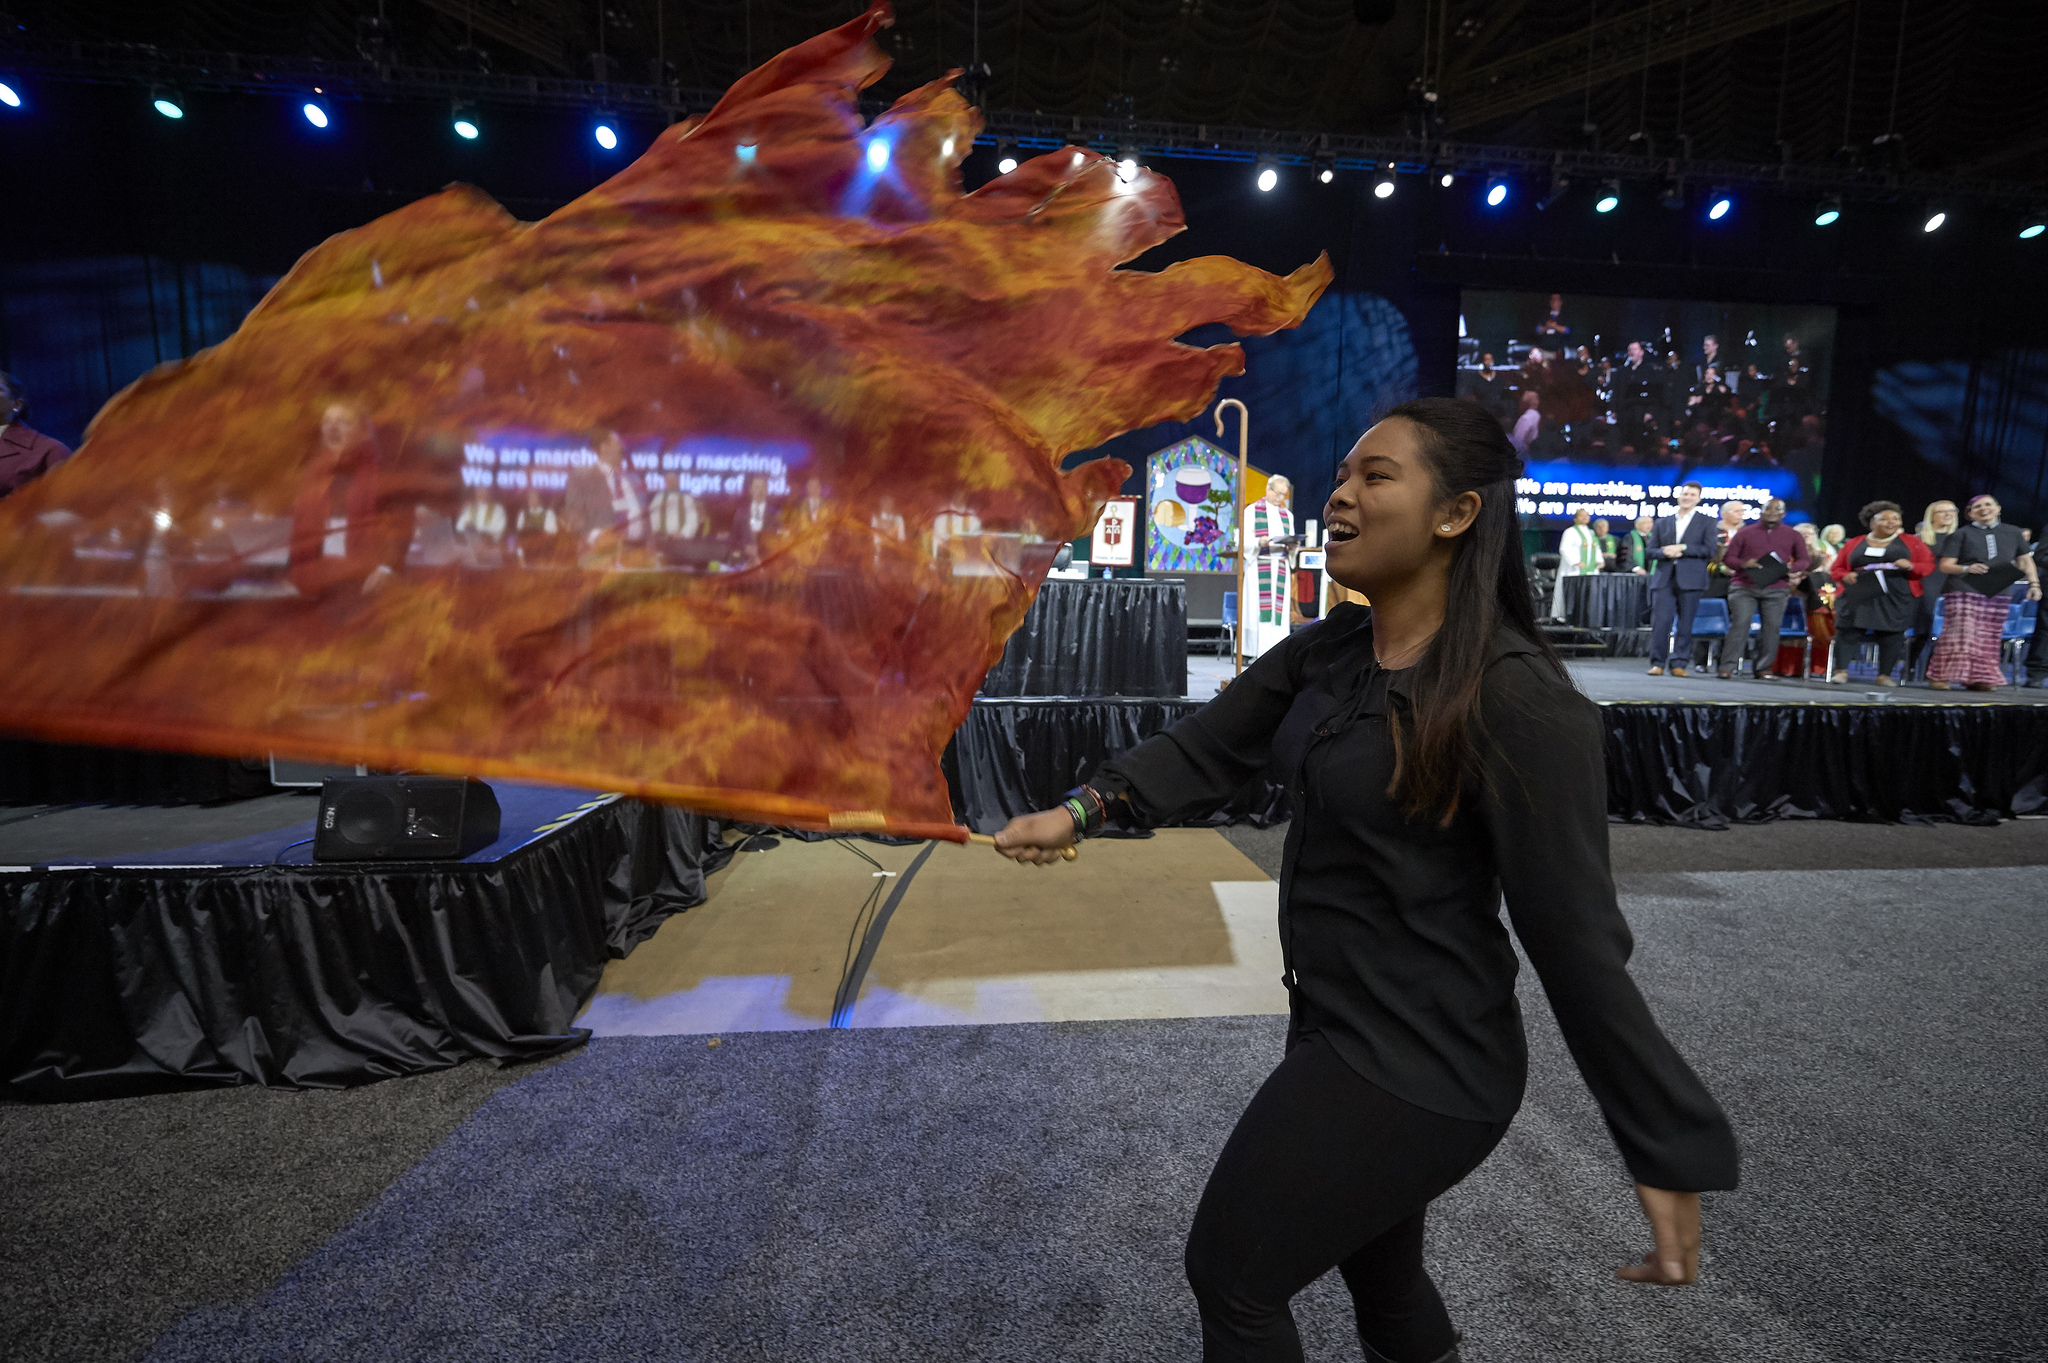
1098 637
1700 765
117 980
1616 601
1711 765
1014 756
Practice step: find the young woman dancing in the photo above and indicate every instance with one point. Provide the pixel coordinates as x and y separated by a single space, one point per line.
1437 758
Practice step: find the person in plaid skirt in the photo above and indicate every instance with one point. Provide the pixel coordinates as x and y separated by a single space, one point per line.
1973 624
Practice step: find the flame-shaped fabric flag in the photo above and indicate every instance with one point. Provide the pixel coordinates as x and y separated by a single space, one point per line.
724 485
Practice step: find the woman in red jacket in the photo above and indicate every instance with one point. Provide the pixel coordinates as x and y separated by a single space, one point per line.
1879 574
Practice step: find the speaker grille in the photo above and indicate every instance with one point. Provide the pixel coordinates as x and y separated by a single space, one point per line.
370 815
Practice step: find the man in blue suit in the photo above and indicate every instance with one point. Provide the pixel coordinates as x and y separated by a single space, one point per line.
1680 547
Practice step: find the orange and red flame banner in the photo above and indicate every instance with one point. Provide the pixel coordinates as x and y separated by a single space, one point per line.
723 485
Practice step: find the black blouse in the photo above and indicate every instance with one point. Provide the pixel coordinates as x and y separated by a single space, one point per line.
1972 543
1391 927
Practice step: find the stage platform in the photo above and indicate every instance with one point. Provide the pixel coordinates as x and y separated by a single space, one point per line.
1693 751
148 948
1628 679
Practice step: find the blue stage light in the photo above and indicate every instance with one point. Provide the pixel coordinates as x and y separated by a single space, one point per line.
878 155
2032 230
315 114
745 151
1608 202
9 96
607 136
1828 214
167 103
466 130
1720 209
1496 193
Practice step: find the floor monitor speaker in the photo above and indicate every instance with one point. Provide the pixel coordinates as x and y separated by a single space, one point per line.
403 818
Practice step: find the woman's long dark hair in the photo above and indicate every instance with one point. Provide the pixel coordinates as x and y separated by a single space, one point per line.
1466 451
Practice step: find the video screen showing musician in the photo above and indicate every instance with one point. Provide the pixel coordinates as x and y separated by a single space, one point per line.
605 509
25 452
347 534
1648 383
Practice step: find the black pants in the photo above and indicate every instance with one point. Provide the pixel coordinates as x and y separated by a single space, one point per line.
1744 602
1672 607
1891 645
1326 1169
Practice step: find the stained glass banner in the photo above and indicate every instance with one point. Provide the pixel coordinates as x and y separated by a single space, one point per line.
722 485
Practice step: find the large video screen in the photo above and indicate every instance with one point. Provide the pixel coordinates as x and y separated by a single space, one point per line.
1615 401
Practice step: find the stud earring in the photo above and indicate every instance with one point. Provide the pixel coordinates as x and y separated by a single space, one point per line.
1446 529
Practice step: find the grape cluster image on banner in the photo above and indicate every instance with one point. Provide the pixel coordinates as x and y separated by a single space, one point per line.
1191 488
723 485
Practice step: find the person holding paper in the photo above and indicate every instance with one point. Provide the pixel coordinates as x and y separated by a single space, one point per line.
1879 574
1769 559
1983 560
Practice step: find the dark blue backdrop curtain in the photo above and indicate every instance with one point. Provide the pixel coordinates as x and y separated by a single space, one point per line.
1979 423
1311 391
76 332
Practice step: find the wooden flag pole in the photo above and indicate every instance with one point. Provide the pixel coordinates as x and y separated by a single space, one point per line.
1244 421
988 840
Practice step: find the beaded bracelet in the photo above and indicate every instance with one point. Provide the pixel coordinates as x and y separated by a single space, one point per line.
1088 810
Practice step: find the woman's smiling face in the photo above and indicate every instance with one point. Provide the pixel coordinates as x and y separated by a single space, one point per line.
1382 514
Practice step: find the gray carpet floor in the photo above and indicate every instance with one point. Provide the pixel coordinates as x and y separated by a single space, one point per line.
1021 1192
116 1218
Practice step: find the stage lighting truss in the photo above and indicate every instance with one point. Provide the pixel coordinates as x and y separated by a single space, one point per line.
1610 197
1827 212
9 96
1006 156
462 118
1267 174
166 101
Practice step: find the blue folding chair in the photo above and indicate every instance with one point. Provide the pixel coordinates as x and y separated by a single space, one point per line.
1927 654
1793 626
1710 621
1230 622
2020 620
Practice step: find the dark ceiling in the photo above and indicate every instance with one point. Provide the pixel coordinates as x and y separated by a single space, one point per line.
1932 85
